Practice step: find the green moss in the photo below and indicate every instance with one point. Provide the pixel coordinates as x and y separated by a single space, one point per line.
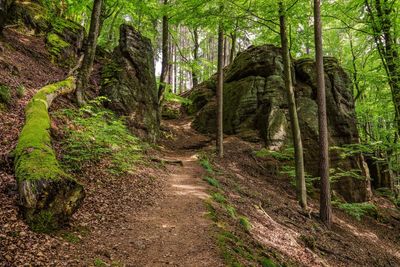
99 263
56 44
60 25
43 222
35 158
244 221
218 197
5 94
70 237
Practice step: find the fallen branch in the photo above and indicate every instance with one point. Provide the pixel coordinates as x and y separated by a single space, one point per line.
48 196
167 161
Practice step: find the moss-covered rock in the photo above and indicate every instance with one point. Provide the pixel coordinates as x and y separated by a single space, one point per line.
64 41
48 195
255 108
31 14
128 80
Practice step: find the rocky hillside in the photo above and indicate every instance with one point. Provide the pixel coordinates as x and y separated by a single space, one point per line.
255 109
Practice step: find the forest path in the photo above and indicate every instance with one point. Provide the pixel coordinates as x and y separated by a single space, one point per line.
176 231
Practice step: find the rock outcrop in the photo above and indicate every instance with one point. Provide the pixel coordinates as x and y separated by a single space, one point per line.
128 80
4 13
64 41
255 108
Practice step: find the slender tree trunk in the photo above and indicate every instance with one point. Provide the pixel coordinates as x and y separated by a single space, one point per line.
220 89
294 121
165 59
325 197
232 53
90 52
195 56
380 15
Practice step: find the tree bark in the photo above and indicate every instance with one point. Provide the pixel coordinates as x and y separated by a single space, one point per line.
294 121
195 56
165 58
232 53
90 52
325 197
220 89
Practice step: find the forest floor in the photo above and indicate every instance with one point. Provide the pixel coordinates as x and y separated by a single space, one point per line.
166 214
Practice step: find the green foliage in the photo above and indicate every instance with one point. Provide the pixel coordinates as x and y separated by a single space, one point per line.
244 221
20 91
358 210
43 222
99 263
284 155
231 210
95 134
169 96
5 94
291 172
70 237
212 181
205 163
218 197
337 173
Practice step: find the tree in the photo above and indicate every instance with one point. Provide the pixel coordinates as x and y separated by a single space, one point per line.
294 121
90 52
165 55
380 14
220 89
325 197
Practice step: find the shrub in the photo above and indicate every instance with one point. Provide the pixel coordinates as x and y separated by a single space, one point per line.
358 210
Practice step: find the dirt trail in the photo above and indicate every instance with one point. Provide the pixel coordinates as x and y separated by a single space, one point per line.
176 230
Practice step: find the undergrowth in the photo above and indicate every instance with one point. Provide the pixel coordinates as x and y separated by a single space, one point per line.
358 210
169 96
5 94
93 134
233 228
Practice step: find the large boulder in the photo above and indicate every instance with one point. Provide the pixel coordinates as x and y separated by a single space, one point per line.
129 81
255 108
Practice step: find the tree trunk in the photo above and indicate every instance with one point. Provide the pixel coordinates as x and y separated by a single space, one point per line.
294 121
164 63
325 197
90 52
48 196
380 14
195 56
232 53
220 89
